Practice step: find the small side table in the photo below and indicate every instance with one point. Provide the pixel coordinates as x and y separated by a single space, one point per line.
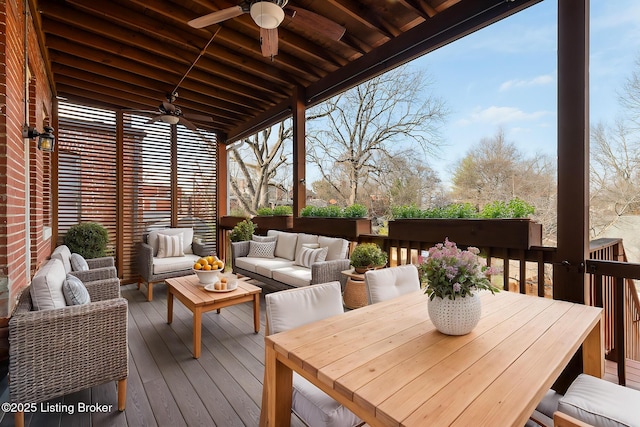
355 292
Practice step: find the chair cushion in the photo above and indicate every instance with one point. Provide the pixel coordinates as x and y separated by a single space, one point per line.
308 256
170 245
257 238
187 238
336 248
261 249
63 253
78 263
296 307
317 408
388 283
294 275
261 265
75 292
46 286
286 245
601 403
169 265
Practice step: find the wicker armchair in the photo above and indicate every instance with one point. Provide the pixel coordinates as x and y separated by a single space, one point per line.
64 350
99 268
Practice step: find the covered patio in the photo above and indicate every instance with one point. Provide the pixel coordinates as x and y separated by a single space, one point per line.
133 56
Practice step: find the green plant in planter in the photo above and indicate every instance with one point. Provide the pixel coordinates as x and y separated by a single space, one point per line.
242 231
283 210
368 255
264 211
355 211
88 239
307 211
514 208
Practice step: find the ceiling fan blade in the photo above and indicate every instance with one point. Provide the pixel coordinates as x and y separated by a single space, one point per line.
168 107
198 117
269 42
318 23
154 119
215 17
186 123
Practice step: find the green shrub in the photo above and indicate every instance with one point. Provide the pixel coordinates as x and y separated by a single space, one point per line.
515 208
355 211
283 210
264 211
307 211
88 239
242 231
368 254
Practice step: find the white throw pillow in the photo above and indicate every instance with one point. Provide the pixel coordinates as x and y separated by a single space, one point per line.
75 293
152 238
337 247
310 256
286 245
261 249
78 263
170 245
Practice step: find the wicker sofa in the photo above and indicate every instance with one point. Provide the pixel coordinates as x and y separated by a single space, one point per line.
154 269
284 268
58 351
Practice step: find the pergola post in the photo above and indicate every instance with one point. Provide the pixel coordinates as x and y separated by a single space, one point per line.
299 150
573 150
221 192
569 278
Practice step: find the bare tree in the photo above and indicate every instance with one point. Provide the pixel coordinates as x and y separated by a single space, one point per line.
495 169
259 162
386 117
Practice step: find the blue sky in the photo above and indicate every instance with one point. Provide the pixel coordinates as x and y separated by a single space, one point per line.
505 76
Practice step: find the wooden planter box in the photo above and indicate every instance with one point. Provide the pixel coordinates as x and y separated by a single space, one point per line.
228 222
275 222
346 228
498 233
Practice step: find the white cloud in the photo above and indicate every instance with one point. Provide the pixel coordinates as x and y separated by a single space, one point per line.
500 115
542 80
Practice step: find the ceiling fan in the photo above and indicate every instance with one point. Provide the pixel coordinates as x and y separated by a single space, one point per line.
168 112
268 15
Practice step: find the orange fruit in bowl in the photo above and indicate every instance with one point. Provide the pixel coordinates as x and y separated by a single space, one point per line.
210 259
206 267
203 262
197 266
220 265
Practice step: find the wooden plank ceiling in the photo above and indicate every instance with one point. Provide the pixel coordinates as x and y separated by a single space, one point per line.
130 54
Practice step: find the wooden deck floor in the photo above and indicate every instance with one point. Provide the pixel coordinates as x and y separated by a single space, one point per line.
168 387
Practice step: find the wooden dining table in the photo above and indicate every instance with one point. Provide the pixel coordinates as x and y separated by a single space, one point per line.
388 364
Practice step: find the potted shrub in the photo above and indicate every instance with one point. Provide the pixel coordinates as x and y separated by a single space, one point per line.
347 223
88 239
498 224
277 218
367 256
242 231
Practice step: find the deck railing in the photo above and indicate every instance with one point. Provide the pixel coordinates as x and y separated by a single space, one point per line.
530 271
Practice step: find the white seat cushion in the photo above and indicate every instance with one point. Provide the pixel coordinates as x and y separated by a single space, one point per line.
600 403
388 283
168 265
46 286
293 276
311 403
266 264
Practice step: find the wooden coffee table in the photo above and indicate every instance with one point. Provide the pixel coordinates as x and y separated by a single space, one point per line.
193 295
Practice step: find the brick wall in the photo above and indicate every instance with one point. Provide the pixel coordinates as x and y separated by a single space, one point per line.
22 167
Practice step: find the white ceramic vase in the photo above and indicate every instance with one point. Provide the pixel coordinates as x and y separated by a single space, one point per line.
455 317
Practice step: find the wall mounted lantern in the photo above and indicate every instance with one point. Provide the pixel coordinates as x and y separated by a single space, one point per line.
46 139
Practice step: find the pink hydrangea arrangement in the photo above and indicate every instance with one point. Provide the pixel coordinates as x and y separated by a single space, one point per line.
449 272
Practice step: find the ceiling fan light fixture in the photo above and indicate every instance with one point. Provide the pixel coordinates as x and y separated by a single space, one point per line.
168 118
267 15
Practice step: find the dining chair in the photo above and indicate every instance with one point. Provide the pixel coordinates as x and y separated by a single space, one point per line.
293 308
387 283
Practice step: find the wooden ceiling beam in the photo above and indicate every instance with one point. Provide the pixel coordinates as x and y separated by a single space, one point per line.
363 17
133 73
90 25
226 40
118 88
